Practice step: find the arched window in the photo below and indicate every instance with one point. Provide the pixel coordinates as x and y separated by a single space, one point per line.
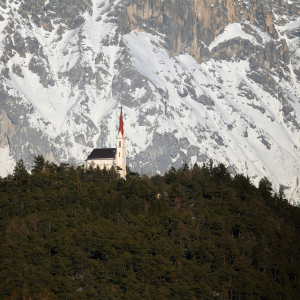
119 154
119 143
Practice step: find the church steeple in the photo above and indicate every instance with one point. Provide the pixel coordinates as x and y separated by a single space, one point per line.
120 150
121 129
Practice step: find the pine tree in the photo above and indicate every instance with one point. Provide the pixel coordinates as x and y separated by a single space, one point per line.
20 172
39 163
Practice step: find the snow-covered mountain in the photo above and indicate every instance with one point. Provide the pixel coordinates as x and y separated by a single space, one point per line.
198 79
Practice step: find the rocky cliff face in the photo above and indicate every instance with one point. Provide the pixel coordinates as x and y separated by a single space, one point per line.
197 80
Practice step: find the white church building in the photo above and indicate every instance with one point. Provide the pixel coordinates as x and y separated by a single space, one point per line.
111 157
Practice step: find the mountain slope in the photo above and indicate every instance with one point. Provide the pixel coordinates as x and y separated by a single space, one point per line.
197 80
194 233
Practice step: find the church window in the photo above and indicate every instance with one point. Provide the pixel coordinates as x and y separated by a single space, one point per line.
119 143
119 154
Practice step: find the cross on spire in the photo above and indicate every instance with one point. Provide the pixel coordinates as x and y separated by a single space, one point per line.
121 129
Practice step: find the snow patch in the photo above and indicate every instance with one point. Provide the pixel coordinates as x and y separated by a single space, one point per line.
235 30
7 163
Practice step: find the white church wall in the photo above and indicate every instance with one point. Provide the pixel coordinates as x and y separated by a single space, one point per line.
103 162
121 154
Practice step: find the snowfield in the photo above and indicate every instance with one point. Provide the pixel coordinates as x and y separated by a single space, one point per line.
67 97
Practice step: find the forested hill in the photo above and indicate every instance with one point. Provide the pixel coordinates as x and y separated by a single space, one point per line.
194 233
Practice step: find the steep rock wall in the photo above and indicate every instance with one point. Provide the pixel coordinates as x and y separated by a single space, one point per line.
197 79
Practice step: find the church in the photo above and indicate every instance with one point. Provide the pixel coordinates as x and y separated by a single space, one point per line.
112 157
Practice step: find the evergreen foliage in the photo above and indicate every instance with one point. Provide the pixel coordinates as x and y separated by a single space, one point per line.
194 233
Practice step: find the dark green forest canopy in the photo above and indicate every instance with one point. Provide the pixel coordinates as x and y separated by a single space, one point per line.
194 233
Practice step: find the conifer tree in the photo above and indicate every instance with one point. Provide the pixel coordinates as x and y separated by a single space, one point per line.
39 163
20 172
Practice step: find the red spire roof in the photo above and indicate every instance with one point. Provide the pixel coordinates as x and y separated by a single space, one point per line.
121 129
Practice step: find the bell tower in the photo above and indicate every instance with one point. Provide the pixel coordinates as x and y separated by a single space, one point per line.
121 154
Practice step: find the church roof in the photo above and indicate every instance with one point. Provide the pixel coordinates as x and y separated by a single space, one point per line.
102 153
